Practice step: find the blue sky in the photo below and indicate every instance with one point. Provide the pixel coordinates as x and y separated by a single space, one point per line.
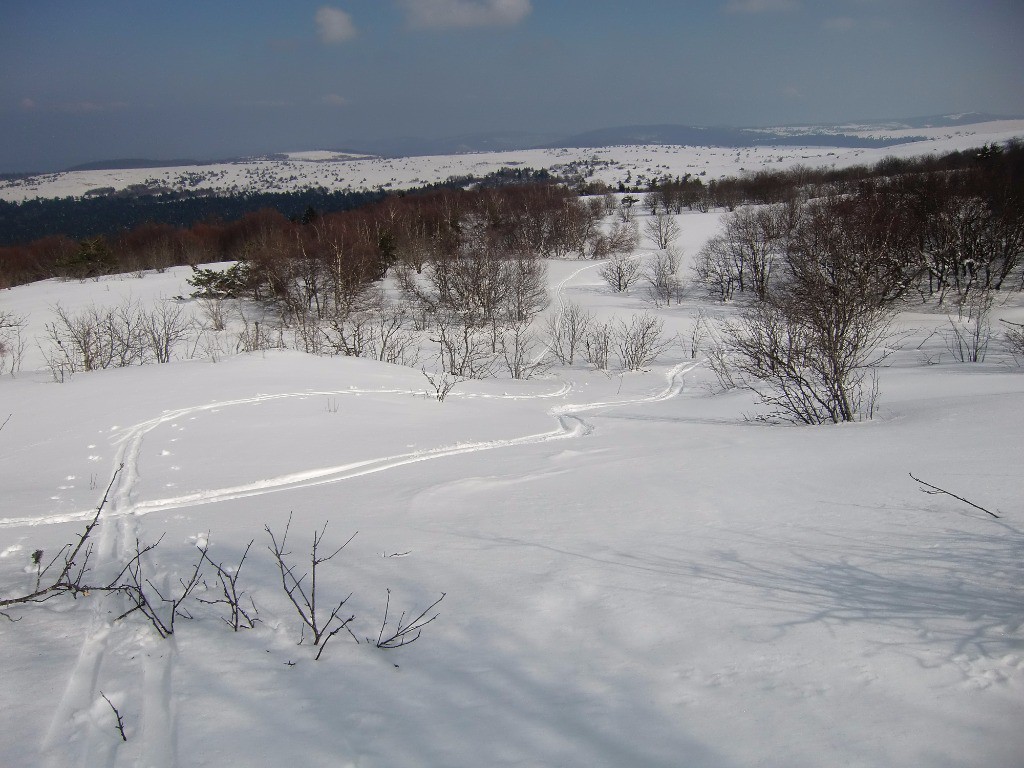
105 79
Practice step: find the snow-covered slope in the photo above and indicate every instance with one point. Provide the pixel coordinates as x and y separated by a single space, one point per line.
635 574
629 164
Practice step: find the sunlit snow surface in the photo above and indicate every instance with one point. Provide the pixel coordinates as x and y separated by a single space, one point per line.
632 165
637 574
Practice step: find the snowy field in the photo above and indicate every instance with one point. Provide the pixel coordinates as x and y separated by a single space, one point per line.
636 573
632 165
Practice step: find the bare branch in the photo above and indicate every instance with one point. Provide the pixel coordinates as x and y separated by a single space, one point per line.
304 598
120 720
935 490
404 632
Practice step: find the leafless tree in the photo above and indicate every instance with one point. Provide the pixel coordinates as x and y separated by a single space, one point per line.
662 229
164 328
94 339
621 272
807 348
715 269
464 350
970 332
521 350
662 274
1013 339
700 332
639 342
597 344
12 342
621 237
567 330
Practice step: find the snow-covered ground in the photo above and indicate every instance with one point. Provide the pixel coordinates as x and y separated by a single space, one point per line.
635 573
629 164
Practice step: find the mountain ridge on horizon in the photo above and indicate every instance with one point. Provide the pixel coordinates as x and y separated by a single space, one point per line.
798 134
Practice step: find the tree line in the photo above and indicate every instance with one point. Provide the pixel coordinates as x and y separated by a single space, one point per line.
821 275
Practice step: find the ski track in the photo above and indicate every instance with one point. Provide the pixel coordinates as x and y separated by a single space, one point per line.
69 740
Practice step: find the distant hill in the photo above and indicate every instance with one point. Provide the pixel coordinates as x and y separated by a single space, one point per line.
504 141
130 163
823 135
811 135
718 137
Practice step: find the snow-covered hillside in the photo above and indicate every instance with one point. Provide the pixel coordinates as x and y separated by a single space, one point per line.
633 165
636 574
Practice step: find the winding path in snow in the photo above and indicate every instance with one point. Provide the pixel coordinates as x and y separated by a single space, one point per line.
117 540
156 732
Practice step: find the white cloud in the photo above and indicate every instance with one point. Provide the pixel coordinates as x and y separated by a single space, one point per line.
442 14
761 6
334 25
334 100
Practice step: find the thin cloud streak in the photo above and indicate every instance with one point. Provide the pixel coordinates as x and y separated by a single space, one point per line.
761 6
462 14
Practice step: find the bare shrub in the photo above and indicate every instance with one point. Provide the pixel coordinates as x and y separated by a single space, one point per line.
258 337
521 351
164 328
811 369
662 229
217 312
1013 339
566 332
970 332
621 272
144 595
662 274
597 344
442 382
12 342
622 237
639 342
94 339
465 350
240 615
404 631
303 594
700 333
714 269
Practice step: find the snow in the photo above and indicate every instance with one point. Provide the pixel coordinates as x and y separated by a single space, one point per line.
628 164
636 574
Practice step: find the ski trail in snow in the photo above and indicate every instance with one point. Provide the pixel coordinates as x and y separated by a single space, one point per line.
570 426
131 439
79 695
117 539
75 735
159 746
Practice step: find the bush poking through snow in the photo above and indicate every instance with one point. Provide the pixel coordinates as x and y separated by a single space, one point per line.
621 272
304 596
1013 339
